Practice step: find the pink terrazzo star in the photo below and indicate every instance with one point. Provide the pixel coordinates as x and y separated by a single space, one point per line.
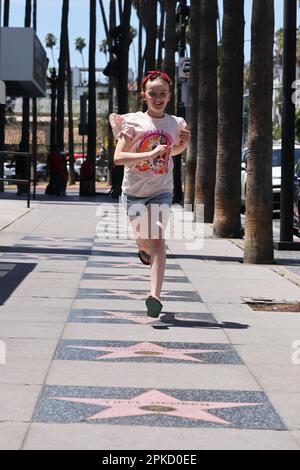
142 319
159 403
147 350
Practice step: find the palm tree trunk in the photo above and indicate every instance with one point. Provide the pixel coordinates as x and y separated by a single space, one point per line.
34 106
151 9
170 46
60 122
191 160
259 201
169 67
124 58
227 220
53 59
207 115
26 102
2 106
92 117
72 176
6 13
123 86
111 86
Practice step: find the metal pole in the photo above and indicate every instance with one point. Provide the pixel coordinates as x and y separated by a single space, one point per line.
288 120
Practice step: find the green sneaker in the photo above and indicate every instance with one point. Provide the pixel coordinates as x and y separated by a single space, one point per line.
154 307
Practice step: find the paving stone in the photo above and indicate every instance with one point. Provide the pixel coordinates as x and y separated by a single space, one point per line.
12 435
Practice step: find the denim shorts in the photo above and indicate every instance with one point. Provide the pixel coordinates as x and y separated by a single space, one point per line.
136 206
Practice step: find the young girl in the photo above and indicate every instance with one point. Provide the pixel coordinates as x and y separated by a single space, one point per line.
146 144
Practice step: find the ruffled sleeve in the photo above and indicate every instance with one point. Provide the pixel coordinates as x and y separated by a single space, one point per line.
181 124
120 126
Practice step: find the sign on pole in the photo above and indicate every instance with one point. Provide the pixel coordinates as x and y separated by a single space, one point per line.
184 68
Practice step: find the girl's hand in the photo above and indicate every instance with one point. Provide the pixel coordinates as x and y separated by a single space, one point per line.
159 151
185 136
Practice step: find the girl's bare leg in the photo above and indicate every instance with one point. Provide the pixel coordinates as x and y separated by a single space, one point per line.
158 265
158 252
142 242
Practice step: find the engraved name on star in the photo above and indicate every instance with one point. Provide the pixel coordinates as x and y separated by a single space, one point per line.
156 402
146 349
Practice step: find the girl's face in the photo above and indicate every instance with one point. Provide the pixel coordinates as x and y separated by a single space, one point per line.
157 95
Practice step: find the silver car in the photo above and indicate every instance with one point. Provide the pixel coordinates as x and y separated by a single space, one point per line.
276 163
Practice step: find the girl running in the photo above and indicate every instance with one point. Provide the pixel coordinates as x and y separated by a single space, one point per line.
146 144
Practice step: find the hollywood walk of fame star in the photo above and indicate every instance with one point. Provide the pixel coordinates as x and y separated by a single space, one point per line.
156 402
146 349
142 319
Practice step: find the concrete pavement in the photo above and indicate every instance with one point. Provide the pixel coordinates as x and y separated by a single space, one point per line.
86 369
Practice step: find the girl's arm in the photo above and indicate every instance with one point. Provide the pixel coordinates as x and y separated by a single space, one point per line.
179 149
122 157
185 136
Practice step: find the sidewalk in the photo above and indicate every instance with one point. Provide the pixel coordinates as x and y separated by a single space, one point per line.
86 369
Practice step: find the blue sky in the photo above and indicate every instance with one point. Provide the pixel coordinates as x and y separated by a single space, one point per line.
49 18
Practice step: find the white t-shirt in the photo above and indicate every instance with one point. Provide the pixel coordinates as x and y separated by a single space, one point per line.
155 176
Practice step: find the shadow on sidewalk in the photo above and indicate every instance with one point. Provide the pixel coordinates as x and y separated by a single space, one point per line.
40 250
171 322
11 276
230 259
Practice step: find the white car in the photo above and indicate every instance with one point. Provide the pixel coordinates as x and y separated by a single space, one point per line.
276 174
9 171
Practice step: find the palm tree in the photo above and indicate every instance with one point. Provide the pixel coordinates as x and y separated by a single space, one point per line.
151 30
103 47
26 102
80 44
34 103
6 13
208 111
191 161
227 220
92 118
123 61
169 67
2 106
51 42
111 87
60 123
72 176
259 211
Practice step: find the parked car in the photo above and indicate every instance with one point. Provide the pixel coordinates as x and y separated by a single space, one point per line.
9 170
41 172
276 158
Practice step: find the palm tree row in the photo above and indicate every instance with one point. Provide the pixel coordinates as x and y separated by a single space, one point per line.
215 110
213 176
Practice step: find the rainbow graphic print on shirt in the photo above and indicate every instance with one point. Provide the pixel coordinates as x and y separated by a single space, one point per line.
149 141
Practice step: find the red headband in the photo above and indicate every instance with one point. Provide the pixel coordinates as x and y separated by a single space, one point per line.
156 74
